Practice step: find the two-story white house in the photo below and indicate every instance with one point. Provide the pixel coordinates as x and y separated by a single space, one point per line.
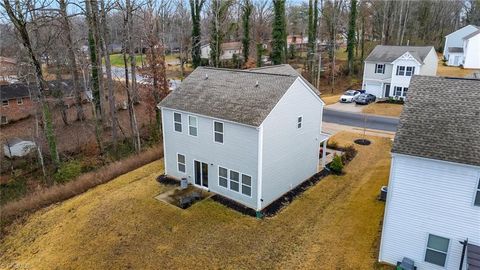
228 49
462 47
433 200
388 69
248 135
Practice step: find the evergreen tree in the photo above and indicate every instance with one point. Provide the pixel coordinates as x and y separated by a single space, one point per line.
351 35
247 12
279 33
259 54
195 9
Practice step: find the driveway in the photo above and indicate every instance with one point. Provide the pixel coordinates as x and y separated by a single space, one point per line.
360 120
346 107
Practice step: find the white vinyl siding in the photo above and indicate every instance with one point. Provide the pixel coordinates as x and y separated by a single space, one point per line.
427 196
218 131
437 249
192 125
177 122
181 163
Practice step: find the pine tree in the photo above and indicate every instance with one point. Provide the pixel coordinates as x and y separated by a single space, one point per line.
279 33
351 35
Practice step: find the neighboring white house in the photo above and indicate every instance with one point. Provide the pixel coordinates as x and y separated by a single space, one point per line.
248 135
433 200
228 50
388 69
462 47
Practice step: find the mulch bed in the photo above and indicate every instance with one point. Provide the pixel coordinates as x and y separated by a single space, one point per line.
274 208
362 141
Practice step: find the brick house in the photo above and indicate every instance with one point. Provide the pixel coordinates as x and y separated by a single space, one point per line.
16 102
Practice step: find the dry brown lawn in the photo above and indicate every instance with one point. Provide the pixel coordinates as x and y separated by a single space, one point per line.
385 109
119 225
451 71
330 99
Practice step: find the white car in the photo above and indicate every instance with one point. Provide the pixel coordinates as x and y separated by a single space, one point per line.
349 96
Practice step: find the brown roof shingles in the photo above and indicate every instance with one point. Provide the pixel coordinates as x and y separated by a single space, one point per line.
441 120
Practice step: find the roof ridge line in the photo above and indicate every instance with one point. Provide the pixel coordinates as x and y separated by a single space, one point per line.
249 71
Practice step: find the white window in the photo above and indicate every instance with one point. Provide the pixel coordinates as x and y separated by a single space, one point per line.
177 122
192 125
19 101
3 120
380 68
181 163
410 71
398 91
246 185
234 180
5 102
437 248
299 122
477 195
222 177
400 70
218 131
405 90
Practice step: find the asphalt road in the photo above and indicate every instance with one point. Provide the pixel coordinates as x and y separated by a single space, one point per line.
360 120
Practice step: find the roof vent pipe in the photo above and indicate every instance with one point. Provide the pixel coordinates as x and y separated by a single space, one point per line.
206 76
256 84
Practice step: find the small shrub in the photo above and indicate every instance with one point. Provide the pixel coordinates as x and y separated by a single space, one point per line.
67 171
337 165
349 154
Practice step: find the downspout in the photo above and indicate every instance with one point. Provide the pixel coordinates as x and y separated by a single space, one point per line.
464 243
259 214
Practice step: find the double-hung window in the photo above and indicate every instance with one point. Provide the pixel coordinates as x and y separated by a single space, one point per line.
19 101
405 90
437 248
299 122
380 68
401 70
410 71
5 102
181 165
222 177
218 131
234 180
177 122
398 91
192 125
246 185
477 195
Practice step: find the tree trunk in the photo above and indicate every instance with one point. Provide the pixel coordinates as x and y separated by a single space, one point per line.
72 60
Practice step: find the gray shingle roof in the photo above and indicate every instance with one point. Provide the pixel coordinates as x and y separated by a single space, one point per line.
472 34
13 91
231 94
383 53
441 120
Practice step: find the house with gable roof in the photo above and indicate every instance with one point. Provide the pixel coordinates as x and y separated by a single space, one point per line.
248 135
462 47
388 69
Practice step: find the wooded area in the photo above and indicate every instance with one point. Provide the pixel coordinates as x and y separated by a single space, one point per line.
73 40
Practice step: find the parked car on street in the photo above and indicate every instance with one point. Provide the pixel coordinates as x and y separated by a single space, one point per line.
365 99
349 96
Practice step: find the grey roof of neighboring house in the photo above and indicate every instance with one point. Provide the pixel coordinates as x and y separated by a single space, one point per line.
13 91
231 94
383 53
455 49
472 34
441 120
